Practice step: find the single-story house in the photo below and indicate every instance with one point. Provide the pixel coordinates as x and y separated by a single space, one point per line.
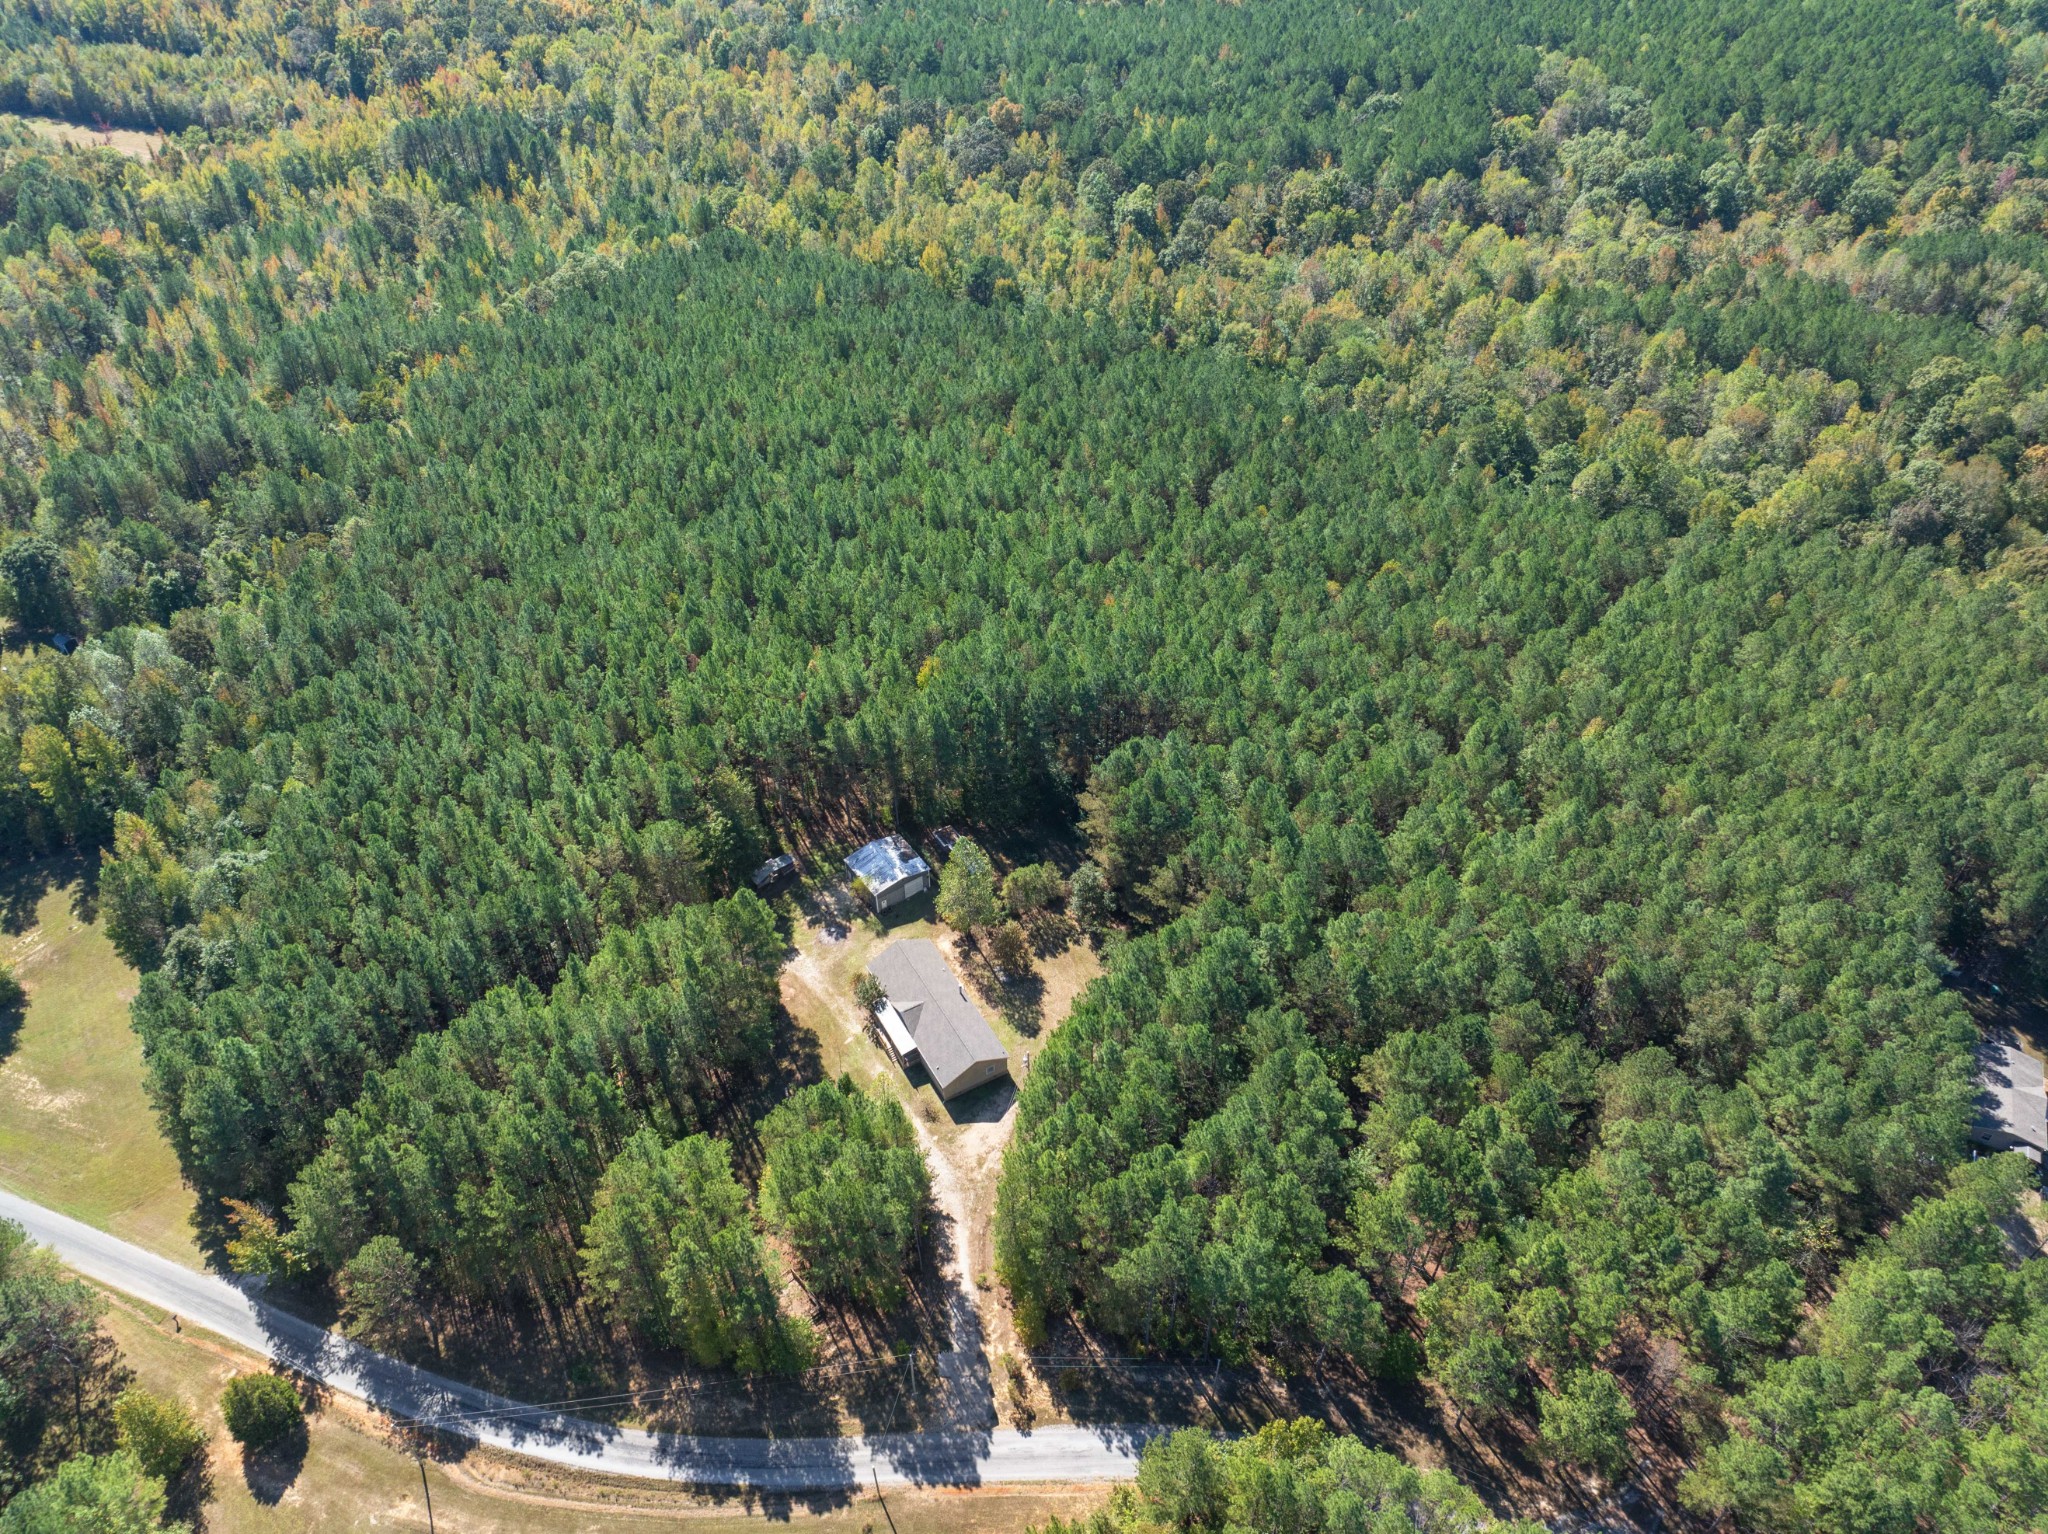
2012 1097
891 870
782 863
926 1013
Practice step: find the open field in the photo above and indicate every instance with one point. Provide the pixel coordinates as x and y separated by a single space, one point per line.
353 1475
76 1132
128 141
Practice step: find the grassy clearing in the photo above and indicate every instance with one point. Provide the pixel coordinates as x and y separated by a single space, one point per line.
135 145
76 1132
835 941
353 1477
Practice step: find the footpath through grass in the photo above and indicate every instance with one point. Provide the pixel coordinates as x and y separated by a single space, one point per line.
76 1132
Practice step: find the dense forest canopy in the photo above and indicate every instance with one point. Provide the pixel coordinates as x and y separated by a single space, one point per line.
1404 93
1516 532
1552 889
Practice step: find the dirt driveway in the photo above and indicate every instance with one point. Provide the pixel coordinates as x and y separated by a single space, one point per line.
964 1140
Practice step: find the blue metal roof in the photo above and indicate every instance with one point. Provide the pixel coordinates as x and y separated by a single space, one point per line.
885 861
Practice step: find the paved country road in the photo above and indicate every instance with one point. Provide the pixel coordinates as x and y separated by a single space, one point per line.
948 1457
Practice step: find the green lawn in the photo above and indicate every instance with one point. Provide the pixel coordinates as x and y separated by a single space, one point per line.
76 1132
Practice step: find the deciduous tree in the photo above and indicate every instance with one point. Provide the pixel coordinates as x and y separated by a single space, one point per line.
967 888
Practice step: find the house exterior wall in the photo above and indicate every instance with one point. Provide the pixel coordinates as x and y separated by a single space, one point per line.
901 891
979 1074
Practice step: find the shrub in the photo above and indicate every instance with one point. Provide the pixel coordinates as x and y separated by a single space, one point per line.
967 888
1586 1423
158 1431
261 1409
34 578
259 1245
1034 887
1091 902
56 1364
1185 1477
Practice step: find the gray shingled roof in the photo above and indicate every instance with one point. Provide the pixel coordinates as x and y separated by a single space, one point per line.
2012 1096
952 1035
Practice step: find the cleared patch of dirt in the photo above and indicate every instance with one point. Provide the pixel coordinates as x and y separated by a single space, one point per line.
24 1092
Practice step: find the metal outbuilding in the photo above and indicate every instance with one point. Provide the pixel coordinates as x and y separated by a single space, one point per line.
892 871
773 869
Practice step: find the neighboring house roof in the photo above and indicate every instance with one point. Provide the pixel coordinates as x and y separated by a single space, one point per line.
886 861
2012 1097
952 1036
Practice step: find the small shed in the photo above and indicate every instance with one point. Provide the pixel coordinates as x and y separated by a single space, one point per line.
943 839
927 1011
892 871
782 863
2012 1097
